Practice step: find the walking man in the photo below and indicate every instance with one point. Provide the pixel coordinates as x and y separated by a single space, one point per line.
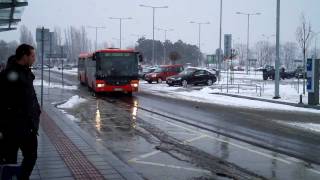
20 111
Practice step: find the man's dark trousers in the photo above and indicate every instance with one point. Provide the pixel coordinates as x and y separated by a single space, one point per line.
28 144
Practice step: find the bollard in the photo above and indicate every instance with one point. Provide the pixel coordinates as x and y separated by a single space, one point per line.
300 102
238 88
260 91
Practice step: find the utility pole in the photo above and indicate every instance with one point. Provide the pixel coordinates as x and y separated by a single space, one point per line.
277 63
199 38
220 39
120 21
96 28
164 43
248 32
42 57
153 17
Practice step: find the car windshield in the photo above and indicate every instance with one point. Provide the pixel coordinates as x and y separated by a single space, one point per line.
188 71
159 69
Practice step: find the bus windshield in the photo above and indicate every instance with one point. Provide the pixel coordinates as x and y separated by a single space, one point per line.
118 64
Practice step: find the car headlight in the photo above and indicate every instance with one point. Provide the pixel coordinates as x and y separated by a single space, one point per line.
100 85
154 75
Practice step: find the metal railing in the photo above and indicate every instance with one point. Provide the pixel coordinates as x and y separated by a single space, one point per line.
258 88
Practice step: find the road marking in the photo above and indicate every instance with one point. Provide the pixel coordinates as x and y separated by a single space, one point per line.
194 139
221 140
143 156
172 166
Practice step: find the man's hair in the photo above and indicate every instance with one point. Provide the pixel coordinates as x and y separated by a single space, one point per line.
23 49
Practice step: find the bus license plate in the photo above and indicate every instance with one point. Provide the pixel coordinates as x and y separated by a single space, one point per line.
118 89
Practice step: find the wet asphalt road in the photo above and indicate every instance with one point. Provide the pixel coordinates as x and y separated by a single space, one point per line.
152 132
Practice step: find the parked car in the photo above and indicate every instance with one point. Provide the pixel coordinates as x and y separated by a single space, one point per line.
162 72
146 71
193 76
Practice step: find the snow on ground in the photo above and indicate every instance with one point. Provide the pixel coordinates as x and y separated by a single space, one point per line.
205 94
306 126
73 71
69 116
72 102
37 82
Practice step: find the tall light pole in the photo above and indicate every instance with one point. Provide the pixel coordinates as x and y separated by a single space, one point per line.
220 39
153 11
199 40
248 15
164 42
120 20
96 28
277 63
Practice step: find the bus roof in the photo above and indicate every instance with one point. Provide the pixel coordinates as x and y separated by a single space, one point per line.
116 50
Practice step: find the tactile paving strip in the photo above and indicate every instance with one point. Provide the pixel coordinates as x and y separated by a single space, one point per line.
76 161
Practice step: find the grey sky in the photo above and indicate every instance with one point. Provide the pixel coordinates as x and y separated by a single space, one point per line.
63 13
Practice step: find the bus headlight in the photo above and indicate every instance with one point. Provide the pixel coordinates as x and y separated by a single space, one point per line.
134 85
100 85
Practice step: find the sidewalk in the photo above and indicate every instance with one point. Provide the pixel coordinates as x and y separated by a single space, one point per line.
270 101
67 152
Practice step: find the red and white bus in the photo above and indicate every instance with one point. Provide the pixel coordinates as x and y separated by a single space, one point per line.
110 70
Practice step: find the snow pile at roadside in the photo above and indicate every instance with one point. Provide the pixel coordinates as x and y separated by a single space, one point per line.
54 85
72 102
205 95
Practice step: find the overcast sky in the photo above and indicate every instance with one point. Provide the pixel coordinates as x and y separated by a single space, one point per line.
64 13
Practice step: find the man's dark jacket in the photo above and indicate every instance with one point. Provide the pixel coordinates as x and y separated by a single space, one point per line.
20 109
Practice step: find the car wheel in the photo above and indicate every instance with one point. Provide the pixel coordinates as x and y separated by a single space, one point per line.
149 82
209 82
159 80
184 83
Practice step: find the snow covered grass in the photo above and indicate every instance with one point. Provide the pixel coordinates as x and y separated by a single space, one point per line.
72 102
206 94
53 85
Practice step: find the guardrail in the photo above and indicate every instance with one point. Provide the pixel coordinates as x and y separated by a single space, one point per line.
258 88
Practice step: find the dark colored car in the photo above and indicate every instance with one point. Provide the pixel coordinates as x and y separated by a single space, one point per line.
193 76
162 72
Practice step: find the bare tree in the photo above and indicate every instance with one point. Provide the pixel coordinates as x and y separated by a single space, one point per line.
242 51
304 36
289 50
26 36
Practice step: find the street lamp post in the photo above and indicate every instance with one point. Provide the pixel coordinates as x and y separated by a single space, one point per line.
199 40
164 45
220 39
277 63
248 29
153 12
120 20
96 28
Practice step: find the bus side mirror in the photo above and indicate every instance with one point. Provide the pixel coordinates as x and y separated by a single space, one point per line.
140 57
